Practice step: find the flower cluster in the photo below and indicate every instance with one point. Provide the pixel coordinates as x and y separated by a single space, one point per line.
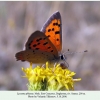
49 78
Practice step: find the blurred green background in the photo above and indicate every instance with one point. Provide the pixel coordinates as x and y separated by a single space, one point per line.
80 30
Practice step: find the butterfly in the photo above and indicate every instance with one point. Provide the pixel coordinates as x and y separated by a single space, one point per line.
44 45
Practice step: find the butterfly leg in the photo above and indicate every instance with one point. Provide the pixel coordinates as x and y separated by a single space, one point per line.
66 63
55 65
43 66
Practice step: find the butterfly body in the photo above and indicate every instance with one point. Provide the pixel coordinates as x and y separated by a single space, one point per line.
44 45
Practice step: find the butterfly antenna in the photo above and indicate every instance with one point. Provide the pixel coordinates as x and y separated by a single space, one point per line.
73 52
63 56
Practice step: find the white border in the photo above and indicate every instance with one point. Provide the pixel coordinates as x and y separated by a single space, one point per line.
57 95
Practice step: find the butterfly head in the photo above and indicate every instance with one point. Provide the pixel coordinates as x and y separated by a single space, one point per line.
62 57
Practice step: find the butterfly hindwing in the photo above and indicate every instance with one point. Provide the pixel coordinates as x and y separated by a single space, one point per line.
53 29
35 56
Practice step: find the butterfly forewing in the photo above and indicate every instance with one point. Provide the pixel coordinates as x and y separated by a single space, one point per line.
53 30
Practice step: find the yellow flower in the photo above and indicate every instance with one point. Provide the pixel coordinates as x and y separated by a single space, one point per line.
49 78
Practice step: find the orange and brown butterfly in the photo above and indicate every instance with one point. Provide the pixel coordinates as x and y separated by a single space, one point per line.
44 45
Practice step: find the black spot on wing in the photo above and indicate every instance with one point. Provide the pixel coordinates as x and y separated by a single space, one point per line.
52 29
57 32
45 43
36 48
51 50
49 30
59 25
39 39
34 45
54 24
57 39
48 36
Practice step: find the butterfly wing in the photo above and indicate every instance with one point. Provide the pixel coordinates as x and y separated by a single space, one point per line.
53 29
38 49
36 56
